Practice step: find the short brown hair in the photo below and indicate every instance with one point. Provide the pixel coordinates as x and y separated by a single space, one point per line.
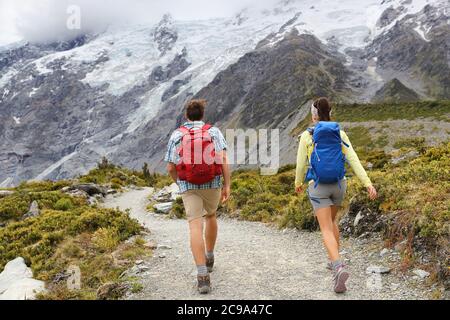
195 109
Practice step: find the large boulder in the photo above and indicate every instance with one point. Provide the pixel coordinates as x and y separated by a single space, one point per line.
90 188
166 194
17 283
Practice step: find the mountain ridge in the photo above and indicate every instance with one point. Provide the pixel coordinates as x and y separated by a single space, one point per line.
120 93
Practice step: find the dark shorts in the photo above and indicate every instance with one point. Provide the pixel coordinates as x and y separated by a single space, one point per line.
327 195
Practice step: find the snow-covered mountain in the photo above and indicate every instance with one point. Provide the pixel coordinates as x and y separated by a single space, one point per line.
120 93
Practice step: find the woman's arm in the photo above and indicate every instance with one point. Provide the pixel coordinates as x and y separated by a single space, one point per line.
353 159
302 162
357 167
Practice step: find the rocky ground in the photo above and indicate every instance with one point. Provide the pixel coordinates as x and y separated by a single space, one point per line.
255 261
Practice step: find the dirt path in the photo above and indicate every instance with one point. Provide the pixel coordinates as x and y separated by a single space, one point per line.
254 261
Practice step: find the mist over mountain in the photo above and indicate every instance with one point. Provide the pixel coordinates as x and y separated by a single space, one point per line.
118 91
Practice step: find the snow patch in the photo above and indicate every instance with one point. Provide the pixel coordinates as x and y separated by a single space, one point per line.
40 65
6 78
16 120
421 32
33 92
5 93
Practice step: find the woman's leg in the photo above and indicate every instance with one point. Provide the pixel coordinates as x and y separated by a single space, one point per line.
324 216
334 211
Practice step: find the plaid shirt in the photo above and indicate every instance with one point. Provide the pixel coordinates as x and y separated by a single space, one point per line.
172 155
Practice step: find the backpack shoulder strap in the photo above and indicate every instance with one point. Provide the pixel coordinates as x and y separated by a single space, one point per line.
183 130
207 127
310 130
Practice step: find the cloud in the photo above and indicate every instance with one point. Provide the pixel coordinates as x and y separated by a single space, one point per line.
46 20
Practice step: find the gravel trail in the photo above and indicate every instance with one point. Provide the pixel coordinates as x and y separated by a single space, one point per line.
256 261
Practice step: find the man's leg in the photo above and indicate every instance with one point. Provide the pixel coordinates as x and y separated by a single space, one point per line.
197 243
210 233
198 251
210 240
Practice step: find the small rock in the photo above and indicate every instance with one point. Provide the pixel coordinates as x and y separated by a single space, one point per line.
143 268
33 211
358 218
164 247
394 286
378 269
139 262
422 274
151 245
384 252
5 193
163 208
401 246
162 256
111 191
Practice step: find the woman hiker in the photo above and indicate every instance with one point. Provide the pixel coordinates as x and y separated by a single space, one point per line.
321 157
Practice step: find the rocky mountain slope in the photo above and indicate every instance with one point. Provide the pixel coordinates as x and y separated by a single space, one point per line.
120 93
395 91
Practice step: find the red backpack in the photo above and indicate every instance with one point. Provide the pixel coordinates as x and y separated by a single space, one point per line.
199 163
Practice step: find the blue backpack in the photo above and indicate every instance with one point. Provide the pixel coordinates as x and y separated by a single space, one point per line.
327 161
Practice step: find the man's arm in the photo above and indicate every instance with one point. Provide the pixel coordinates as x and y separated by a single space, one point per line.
226 191
172 171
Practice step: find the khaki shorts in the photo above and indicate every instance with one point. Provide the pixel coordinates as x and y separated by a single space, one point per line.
201 203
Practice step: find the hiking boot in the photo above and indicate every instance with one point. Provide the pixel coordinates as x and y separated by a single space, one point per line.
340 278
210 264
204 284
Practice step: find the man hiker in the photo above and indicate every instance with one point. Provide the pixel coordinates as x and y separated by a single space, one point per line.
197 161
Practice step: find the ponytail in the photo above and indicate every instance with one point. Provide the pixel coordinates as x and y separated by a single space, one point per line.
323 109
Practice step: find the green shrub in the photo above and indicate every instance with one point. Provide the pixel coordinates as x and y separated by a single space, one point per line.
105 239
390 111
14 206
416 143
178 209
64 204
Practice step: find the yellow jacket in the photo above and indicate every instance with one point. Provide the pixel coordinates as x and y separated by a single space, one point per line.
304 152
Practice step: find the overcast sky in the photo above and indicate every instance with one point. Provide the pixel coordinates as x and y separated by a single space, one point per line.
45 20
